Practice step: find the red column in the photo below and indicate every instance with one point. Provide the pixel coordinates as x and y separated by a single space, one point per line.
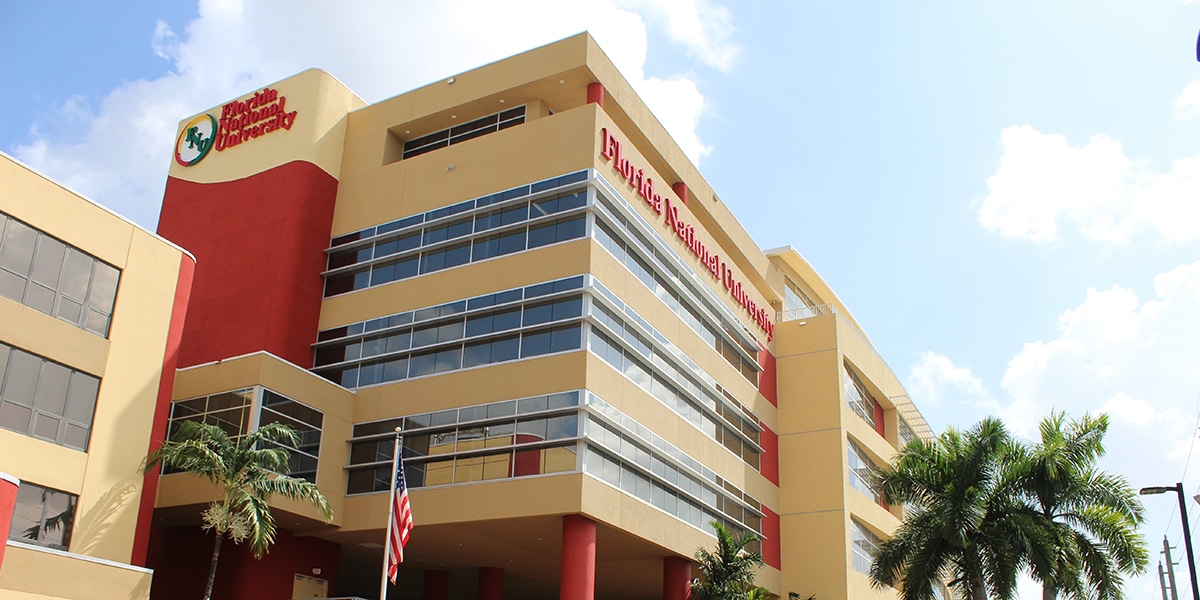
879 419
578 580
437 585
680 189
596 94
8 501
491 583
677 578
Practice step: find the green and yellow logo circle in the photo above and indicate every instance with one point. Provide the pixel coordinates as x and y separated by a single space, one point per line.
195 140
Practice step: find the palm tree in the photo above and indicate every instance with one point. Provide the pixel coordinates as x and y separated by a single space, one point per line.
728 572
248 471
965 520
1091 516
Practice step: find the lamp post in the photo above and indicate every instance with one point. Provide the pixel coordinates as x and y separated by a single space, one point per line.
1187 530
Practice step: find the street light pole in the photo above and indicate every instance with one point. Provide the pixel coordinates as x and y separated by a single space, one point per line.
1187 530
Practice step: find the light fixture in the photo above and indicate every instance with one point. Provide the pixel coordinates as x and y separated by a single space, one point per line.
453 116
316 570
502 101
451 167
561 81
1154 490
450 81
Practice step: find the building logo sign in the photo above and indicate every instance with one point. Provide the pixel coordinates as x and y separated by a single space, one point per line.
241 121
195 140
610 149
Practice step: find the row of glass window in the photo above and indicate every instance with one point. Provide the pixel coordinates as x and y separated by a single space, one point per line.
711 395
526 344
656 281
43 516
416 237
491 448
538 234
632 481
862 471
665 448
56 278
395 228
468 414
678 286
634 367
858 397
862 544
505 464
240 411
479 323
46 400
632 451
461 133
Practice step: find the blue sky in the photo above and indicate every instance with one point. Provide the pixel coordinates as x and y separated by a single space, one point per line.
1006 195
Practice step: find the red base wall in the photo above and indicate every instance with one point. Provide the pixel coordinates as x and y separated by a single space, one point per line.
772 549
259 244
180 557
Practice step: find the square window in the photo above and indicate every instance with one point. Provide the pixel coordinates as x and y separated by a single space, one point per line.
535 344
12 286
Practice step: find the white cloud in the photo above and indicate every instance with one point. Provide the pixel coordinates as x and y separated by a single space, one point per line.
1043 184
1135 359
118 151
936 379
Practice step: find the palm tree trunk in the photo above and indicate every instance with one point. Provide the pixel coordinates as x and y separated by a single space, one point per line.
978 591
212 569
1049 592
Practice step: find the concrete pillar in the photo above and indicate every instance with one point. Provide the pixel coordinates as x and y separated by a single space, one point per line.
578 580
677 578
437 585
680 189
491 583
595 94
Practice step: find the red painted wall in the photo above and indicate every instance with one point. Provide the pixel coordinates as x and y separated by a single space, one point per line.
879 425
766 378
162 407
771 550
768 463
180 557
259 244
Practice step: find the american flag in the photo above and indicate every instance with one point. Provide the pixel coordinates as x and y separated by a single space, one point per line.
401 521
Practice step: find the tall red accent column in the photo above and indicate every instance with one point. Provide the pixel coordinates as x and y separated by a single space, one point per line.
437 585
491 583
680 189
162 408
677 578
578 580
8 501
596 94
879 427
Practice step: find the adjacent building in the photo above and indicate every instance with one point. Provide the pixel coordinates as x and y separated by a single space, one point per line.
91 312
589 358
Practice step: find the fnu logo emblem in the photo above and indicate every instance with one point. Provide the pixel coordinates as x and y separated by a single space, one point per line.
195 140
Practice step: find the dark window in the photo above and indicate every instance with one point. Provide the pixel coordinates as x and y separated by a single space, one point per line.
46 400
43 516
54 278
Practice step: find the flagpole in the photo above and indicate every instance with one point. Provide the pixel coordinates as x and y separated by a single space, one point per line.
387 538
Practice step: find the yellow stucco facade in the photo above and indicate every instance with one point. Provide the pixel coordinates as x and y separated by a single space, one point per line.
104 477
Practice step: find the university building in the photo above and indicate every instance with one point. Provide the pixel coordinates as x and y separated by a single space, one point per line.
589 358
